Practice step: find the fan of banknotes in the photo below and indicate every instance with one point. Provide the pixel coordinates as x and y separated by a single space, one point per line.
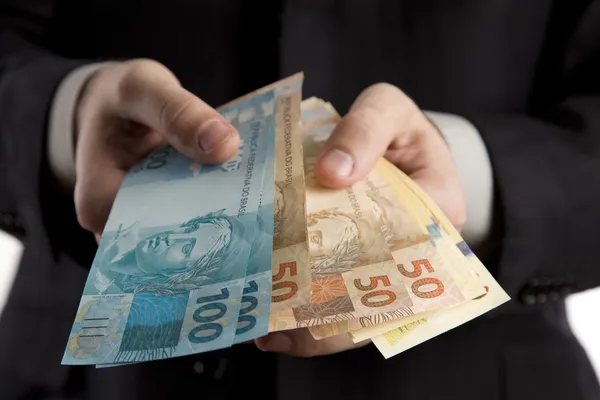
196 258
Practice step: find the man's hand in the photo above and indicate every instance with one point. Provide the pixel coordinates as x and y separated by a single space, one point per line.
300 343
383 121
126 111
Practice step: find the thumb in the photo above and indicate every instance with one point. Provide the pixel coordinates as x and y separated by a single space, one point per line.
381 114
153 97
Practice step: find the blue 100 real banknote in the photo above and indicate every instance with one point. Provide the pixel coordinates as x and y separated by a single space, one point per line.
169 275
253 321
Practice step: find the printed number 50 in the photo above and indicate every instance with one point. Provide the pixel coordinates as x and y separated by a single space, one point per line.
292 286
416 286
366 299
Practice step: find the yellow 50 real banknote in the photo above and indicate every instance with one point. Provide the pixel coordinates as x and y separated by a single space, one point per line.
407 238
398 340
353 271
461 274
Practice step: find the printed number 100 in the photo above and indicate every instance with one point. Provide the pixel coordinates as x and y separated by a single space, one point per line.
245 320
206 315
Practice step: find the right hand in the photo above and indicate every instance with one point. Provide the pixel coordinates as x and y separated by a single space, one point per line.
127 110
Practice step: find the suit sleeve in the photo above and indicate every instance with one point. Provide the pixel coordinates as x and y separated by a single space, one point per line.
61 126
53 266
30 73
547 176
475 173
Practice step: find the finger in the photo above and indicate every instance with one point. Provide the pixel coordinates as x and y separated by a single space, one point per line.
101 169
300 343
151 95
379 115
94 194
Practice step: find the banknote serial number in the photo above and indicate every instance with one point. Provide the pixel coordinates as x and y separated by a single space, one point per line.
354 203
250 169
372 187
287 137
309 167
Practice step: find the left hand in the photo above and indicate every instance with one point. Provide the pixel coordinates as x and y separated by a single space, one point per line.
383 121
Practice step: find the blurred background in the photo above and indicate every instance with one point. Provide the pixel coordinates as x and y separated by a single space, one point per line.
582 306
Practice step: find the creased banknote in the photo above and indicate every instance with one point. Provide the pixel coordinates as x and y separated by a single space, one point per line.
291 275
353 272
316 112
283 263
253 316
426 272
401 339
196 258
440 230
417 258
168 276
457 280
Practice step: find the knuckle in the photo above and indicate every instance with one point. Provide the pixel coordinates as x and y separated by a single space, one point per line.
172 111
144 67
363 121
384 86
387 89
380 92
135 76
388 97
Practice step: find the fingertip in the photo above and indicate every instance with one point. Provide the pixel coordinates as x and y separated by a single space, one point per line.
276 342
217 141
261 343
335 168
95 192
331 181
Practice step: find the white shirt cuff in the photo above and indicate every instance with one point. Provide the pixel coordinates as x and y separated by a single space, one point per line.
475 172
61 125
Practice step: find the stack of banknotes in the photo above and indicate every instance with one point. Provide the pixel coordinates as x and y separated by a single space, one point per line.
195 258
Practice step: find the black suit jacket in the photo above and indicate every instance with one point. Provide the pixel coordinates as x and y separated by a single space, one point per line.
524 72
